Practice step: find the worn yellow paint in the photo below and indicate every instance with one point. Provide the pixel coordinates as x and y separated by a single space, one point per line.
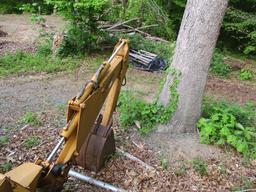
104 87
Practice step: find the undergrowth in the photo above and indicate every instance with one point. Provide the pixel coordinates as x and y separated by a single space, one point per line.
31 118
133 109
218 66
225 123
246 75
41 61
162 49
32 141
200 166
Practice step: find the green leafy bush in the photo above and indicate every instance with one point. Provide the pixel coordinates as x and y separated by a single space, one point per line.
239 28
133 109
218 66
25 6
230 124
150 13
246 75
83 35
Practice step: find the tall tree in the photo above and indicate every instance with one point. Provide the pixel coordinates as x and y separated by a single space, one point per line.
196 41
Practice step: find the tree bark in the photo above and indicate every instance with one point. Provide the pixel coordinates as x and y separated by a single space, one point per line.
194 49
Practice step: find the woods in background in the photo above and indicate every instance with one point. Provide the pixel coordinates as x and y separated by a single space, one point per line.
238 32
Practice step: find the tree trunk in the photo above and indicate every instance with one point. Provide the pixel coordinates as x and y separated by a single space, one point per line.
195 45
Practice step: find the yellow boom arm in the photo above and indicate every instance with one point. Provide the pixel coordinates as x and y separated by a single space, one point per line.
83 110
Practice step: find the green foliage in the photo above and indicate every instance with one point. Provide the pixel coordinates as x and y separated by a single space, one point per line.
6 166
25 6
200 166
148 114
164 162
246 185
239 28
230 124
37 19
137 41
181 170
32 141
218 66
83 33
246 75
22 62
150 13
79 41
3 140
10 6
31 118
244 114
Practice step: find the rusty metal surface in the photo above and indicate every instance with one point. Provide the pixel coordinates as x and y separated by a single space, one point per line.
99 145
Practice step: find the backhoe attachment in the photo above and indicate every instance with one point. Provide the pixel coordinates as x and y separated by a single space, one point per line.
86 140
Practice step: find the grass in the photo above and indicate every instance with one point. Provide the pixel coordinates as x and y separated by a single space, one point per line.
32 141
181 170
200 166
164 162
246 185
22 62
6 166
3 140
31 118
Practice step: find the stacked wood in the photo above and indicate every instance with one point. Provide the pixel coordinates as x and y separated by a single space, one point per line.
146 61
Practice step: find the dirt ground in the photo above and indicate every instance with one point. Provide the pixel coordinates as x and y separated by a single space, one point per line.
46 94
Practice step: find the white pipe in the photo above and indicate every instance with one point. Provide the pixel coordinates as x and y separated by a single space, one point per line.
95 182
133 158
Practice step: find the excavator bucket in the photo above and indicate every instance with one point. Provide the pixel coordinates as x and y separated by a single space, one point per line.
98 147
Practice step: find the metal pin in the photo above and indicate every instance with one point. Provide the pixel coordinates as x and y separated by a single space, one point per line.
55 150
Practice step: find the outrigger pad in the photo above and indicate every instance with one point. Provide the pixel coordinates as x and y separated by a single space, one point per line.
98 147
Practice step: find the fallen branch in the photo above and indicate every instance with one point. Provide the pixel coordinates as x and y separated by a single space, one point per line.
131 157
120 24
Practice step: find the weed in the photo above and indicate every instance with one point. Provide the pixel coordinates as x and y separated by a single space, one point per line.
222 168
62 106
200 166
230 124
218 66
181 170
32 141
164 162
246 184
246 75
31 118
44 50
37 19
7 166
148 114
3 140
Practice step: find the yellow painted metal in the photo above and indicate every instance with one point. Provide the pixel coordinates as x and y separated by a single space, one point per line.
5 184
104 87
24 177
